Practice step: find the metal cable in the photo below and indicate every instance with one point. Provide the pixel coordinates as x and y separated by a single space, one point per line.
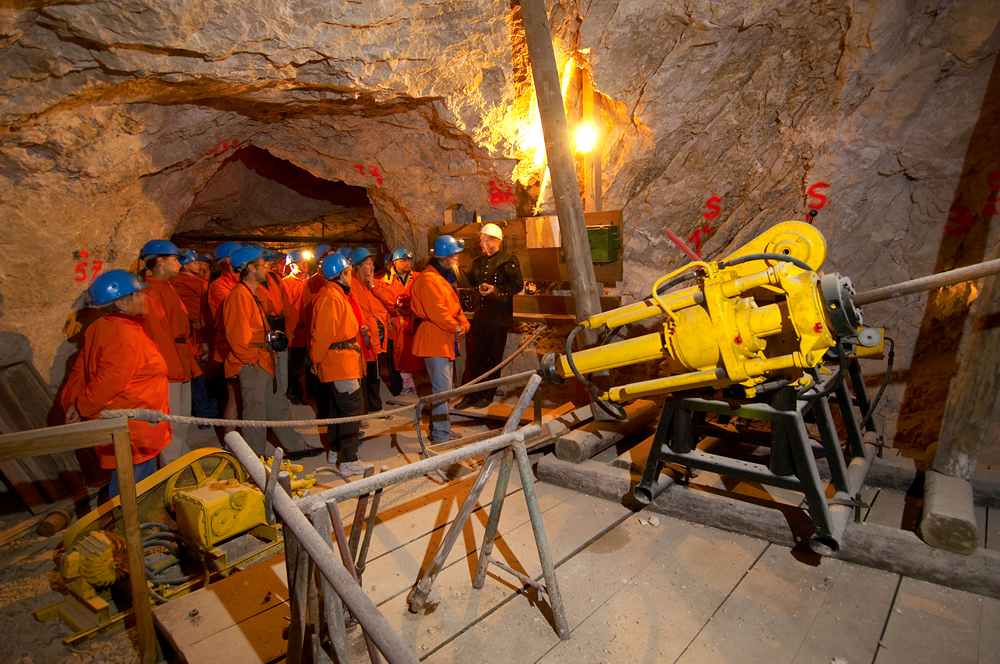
154 416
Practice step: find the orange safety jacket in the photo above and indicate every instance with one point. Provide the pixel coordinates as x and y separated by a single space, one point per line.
193 291
294 286
167 324
218 291
376 317
244 326
388 289
120 367
335 324
314 284
435 303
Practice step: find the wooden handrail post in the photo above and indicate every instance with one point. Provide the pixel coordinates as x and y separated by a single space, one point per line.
133 546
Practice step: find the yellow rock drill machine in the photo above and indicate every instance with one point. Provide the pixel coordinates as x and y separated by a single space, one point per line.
759 335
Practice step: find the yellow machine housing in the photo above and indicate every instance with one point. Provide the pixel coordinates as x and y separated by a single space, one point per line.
217 511
752 316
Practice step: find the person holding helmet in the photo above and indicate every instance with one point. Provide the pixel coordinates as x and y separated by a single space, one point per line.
191 284
335 352
374 326
120 367
298 265
440 321
250 362
496 276
167 323
393 291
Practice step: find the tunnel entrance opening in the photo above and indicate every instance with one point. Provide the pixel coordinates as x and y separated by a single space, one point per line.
257 197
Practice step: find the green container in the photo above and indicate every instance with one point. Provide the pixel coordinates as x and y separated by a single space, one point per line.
605 243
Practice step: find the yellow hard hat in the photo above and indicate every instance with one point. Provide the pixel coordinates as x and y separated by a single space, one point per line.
492 230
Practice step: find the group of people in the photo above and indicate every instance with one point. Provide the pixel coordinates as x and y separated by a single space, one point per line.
255 330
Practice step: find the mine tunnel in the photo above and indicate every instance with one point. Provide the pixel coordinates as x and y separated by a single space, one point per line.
490 331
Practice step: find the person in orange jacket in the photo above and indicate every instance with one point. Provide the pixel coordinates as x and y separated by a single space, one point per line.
335 353
397 283
191 284
218 290
120 367
249 362
168 325
375 326
280 315
436 306
298 264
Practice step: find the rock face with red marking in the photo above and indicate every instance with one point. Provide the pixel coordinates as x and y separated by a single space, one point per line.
122 120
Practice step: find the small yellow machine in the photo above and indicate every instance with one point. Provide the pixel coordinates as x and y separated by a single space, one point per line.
200 518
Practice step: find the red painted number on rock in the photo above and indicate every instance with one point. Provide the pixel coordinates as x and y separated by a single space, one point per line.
713 207
80 269
373 170
812 192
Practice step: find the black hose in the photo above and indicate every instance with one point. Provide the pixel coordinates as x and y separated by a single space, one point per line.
766 257
591 388
890 358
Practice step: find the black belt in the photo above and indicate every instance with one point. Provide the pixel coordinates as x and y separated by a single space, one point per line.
180 340
345 345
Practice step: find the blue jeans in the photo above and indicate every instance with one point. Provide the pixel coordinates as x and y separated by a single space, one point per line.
439 369
141 470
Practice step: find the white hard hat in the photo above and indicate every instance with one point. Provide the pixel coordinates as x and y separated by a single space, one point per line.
492 230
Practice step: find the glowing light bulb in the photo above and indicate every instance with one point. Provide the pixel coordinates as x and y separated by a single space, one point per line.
585 137
307 255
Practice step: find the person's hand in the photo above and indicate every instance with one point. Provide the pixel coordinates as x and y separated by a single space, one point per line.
72 415
486 289
460 330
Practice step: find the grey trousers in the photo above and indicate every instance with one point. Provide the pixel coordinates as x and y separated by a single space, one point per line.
262 401
180 404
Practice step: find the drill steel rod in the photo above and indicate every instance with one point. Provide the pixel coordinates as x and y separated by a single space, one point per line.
930 282
374 623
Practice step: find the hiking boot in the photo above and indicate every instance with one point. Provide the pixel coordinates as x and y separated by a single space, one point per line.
348 469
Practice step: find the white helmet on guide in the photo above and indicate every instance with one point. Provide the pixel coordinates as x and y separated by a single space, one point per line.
491 230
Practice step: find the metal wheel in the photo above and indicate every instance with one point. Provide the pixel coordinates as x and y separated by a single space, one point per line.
213 467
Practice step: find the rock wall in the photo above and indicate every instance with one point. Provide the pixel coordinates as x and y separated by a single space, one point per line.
116 113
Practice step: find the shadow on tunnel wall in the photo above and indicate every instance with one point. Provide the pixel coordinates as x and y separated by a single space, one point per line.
963 242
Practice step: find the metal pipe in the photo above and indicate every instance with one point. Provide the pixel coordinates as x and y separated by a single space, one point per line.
541 541
333 608
416 469
347 558
375 624
493 523
525 400
930 282
857 472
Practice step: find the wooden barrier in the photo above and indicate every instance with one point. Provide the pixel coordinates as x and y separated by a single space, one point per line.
68 437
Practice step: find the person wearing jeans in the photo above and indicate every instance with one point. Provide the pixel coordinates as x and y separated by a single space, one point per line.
440 319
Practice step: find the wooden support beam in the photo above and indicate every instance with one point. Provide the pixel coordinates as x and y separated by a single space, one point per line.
141 608
591 439
890 549
565 188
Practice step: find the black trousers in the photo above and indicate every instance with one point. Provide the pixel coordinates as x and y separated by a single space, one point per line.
484 346
395 379
343 398
297 356
372 388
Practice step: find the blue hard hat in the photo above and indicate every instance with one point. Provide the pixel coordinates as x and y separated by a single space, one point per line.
334 265
159 248
321 250
446 245
345 252
205 258
226 249
271 254
188 256
113 285
401 253
360 254
245 255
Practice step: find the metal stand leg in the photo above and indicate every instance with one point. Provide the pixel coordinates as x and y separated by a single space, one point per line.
333 608
831 444
541 541
783 433
854 439
805 470
494 521
417 599
345 556
643 492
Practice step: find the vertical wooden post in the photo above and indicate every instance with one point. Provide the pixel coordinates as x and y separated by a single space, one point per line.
133 547
565 189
